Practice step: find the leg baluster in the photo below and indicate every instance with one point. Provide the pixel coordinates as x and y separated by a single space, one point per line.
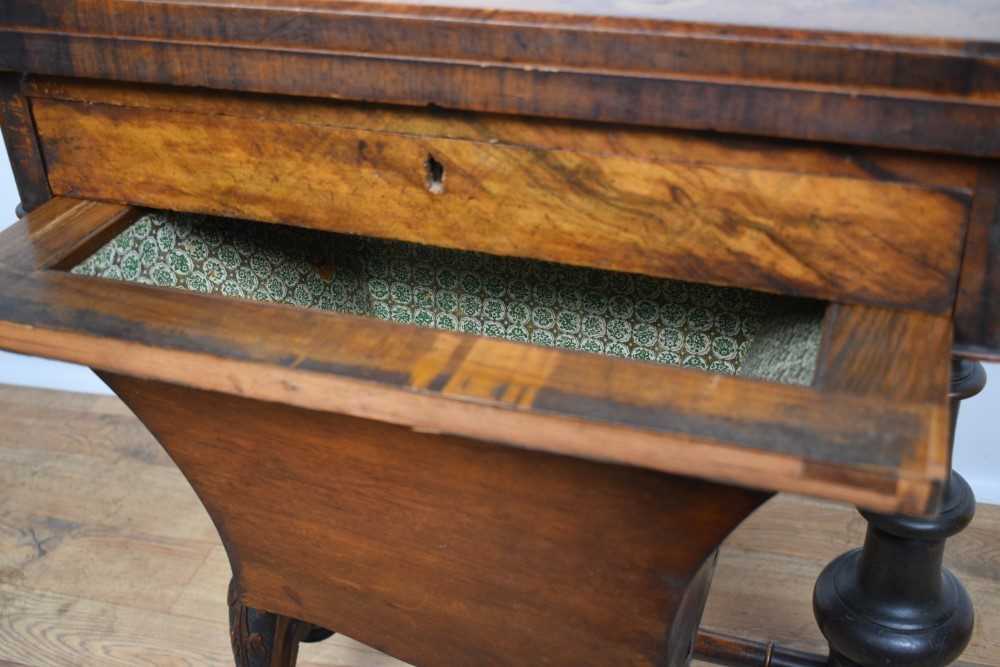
892 602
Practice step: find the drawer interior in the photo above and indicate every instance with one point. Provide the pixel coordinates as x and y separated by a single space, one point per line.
864 418
720 330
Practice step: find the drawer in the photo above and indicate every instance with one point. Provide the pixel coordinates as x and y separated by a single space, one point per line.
835 400
853 226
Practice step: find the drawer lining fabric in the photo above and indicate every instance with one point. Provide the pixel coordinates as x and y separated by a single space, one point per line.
721 330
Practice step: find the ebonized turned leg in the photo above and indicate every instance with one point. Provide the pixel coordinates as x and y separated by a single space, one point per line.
260 638
317 634
892 602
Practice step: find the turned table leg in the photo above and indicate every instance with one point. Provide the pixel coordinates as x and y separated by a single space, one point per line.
892 602
317 634
260 638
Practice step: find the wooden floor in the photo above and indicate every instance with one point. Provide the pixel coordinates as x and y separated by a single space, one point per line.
107 558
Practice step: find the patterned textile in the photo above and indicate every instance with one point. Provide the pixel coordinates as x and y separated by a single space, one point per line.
786 346
664 321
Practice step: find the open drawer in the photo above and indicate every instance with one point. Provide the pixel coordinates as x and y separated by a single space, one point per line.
862 417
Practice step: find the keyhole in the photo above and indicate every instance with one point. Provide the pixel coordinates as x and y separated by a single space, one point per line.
435 175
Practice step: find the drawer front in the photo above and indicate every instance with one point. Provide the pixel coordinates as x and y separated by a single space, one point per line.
804 221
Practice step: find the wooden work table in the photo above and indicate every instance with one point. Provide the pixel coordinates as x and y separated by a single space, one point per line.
496 502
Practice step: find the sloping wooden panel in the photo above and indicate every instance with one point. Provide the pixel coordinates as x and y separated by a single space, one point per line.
439 550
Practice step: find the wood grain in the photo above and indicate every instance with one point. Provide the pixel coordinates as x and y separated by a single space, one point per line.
762 587
927 93
22 143
850 239
879 452
977 310
438 550
647 144
868 351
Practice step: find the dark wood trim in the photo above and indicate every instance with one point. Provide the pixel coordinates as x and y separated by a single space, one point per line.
923 94
569 39
977 310
21 140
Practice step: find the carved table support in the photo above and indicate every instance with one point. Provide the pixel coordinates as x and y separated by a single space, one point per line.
892 602
260 638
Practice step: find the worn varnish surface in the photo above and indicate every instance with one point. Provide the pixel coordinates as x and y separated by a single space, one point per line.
438 550
133 571
881 451
672 205
932 90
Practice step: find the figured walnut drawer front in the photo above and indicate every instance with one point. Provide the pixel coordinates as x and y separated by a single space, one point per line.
867 228
867 424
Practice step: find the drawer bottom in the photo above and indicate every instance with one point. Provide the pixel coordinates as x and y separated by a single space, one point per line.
721 330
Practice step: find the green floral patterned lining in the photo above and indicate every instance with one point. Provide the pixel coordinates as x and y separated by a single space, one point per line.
721 330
